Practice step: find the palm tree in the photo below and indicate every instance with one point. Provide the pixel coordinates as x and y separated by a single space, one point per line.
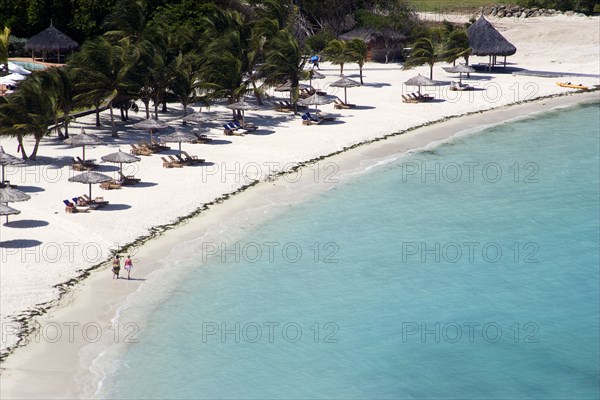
357 52
127 22
4 41
424 52
337 52
284 62
27 112
59 85
225 57
457 45
185 81
104 68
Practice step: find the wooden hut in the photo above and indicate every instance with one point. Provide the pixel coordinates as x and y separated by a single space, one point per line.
485 40
383 46
50 41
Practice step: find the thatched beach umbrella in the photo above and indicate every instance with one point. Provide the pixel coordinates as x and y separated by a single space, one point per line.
50 39
419 81
8 159
120 158
312 74
196 117
461 69
90 177
178 137
242 106
485 40
345 83
286 87
6 210
151 125
83 139
11 195
316 100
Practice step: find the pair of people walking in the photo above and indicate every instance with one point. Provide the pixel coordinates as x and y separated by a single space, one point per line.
116 269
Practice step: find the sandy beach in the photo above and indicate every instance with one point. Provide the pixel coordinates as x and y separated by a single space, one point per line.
47 252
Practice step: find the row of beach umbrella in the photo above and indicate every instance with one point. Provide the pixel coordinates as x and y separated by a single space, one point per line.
8 194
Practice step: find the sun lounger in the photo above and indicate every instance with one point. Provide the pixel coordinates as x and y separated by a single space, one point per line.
155 148
192 159
80 165
171 163
154 145
309 119
409 99
247 126
186 160
110 185
81 202
139 151
341 105
74 208
231 129
201 138
128 179
99 201
283 107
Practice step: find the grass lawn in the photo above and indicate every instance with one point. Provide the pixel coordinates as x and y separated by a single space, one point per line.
457 6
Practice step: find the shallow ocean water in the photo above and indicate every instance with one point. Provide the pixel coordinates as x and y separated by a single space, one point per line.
470 270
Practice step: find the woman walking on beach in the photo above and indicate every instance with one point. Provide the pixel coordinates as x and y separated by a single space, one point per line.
128 265
116 267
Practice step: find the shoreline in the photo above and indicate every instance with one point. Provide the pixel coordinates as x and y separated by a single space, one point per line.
90 298
26 317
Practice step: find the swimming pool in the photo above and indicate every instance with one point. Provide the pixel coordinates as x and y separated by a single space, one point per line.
31 66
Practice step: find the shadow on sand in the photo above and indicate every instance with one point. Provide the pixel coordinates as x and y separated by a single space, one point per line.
26 223
114 207
19 243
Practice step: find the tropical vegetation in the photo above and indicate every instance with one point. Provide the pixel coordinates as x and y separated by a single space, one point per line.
157 52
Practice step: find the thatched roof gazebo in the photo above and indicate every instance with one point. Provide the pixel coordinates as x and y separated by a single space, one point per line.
485 40
383 45
50 40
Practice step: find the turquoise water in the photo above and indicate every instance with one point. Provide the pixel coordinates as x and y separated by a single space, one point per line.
31 66
427 285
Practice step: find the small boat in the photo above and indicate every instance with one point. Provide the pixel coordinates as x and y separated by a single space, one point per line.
572 86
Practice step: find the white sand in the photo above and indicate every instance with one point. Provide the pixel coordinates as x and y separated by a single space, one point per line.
57 246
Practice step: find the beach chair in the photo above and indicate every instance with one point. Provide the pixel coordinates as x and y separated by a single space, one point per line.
80 201
99 201
128 179
74 208
424 97
308 119
79 165
139 151
227 130
338 104
283 107
88 164
231 129
201 138
408 99
69 207
192 159
248 126
158 146
110 185
175 162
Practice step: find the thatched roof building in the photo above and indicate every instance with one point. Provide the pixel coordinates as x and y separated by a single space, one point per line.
485 40
50 40
383 46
